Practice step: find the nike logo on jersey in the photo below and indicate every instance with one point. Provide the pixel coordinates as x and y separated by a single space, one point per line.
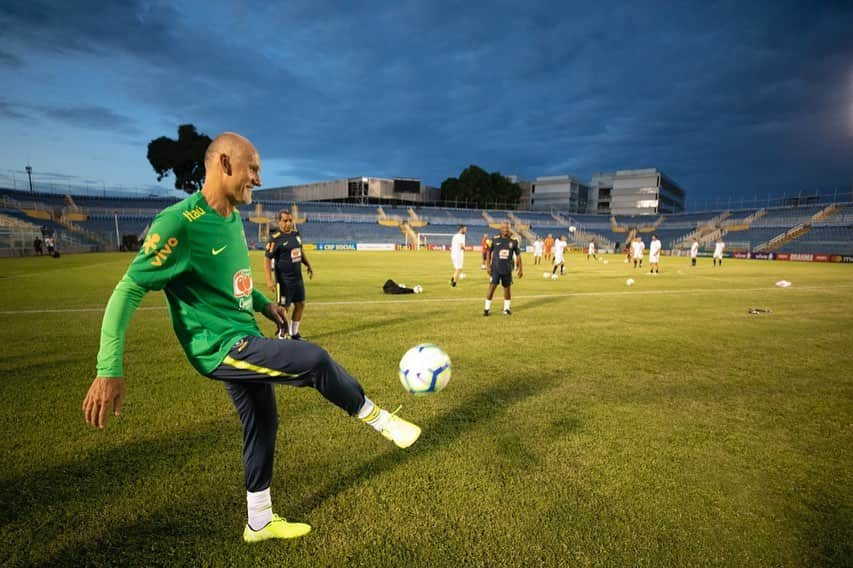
284 244
214 251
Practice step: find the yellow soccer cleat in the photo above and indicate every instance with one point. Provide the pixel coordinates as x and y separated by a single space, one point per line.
401 432
277 528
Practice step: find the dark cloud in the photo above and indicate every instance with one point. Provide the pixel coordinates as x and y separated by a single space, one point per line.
93 117
89 117
10 59
12 111
726 96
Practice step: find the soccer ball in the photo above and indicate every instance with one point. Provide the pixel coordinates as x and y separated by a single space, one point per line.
572 229
424 369
462 276
546 275
554 276
418 289
629 282
605 262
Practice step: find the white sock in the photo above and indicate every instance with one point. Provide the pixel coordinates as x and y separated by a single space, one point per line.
506 304
294 327
260 508
488 304
373 415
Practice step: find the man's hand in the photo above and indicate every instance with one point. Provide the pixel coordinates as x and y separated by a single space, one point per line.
103 393
520 272
310 273
276 313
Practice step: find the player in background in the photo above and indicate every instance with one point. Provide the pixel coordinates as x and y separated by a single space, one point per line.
637 248
654 255
549 244
694 252
538 247
196 252
503 255
718 252
457 253
560 246
590 250
484 245
283 261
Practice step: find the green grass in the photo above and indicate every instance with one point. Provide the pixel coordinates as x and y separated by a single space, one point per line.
599 425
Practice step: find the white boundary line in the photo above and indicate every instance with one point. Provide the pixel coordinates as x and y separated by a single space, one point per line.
479 299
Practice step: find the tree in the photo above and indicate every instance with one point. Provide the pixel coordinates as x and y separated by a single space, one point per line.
184 157
479 187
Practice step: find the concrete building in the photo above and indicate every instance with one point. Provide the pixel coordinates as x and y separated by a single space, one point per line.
524 202
635 192
559 192
355 190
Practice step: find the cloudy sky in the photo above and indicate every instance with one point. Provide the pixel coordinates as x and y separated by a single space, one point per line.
728 98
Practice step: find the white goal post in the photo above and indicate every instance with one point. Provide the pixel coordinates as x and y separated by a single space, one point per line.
423 238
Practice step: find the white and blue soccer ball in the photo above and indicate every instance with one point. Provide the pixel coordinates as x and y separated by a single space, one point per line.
572 229
554 276
418 289
546 275
425 369
629 282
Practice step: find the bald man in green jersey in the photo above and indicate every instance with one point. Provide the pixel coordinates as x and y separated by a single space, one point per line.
195 251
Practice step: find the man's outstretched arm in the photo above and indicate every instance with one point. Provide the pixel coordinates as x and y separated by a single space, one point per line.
107 390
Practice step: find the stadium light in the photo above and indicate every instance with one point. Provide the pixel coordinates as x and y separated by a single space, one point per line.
29 169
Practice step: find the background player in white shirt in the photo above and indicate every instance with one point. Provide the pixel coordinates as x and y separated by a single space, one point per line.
694 252
718 251
637 248
538 247
590 250
654 255
457 253
559 247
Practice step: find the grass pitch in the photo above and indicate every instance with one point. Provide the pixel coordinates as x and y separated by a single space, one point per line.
599 425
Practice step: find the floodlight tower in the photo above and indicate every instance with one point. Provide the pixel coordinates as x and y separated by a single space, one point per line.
29 169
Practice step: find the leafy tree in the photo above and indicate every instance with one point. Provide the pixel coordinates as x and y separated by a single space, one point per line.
184 157
479 187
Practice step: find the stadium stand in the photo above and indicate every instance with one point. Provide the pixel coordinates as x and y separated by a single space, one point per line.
87 221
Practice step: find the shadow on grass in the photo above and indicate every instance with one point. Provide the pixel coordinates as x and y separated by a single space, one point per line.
180 530
438 433
104 471
372 326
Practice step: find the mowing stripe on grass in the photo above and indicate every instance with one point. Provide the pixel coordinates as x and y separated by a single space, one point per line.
479 299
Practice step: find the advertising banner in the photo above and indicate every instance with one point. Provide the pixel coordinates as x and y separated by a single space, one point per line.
375 246
335 246
847 258
821 258
740 255
783 256
802 257
439 247
762 255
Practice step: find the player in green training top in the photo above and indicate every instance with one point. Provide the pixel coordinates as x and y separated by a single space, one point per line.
283 261
195 251
502 254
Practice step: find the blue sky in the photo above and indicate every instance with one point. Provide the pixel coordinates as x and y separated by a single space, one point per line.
728 98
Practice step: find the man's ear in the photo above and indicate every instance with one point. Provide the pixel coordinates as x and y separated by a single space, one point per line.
225 162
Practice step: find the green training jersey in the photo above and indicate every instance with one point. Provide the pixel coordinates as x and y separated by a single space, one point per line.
201 262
